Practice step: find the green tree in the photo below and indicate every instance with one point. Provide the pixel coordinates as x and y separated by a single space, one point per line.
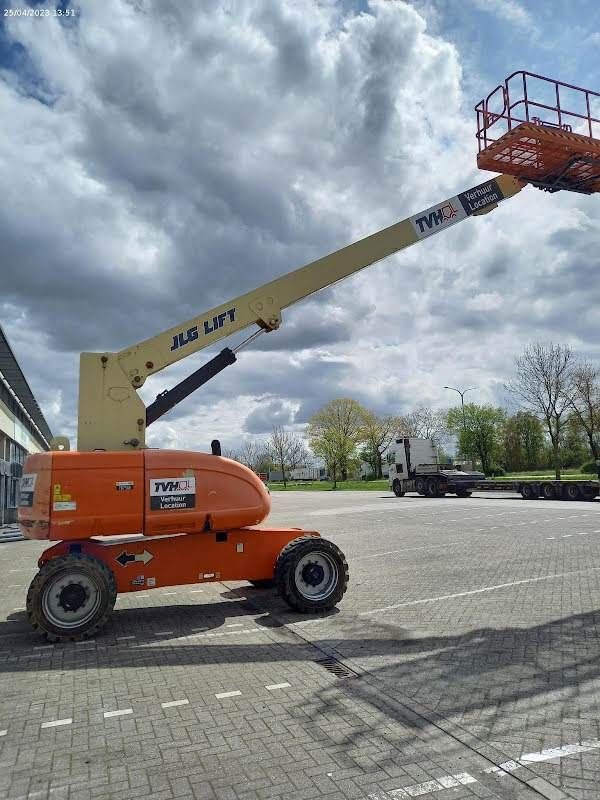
480 434
523 441
334 432
378 433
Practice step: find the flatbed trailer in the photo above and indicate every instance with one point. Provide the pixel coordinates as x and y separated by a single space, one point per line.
546 489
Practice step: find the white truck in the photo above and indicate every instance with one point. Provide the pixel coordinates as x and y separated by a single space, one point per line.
416 468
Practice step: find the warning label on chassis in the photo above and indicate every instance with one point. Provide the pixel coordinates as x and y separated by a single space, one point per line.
170 494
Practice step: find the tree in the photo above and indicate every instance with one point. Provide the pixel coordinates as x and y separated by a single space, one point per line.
542 383
523 441
287 449
425 423
480 433
334 433
584 397
378 434
255 454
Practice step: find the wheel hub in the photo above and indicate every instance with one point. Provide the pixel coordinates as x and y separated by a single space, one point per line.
72 597
313 574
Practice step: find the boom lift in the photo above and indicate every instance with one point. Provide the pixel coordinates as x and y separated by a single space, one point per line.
129 518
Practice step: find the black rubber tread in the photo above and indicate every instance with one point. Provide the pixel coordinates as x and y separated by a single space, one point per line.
421 486
433 488
464 493
548 491
263 583
397 488
577 494
98 569
286 565
527 492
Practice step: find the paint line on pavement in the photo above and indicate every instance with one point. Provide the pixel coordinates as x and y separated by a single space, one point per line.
163 633
56 723
235 625
168 594
3 733
43 647
173 703
274 686
477 591
223 695
418 789
560 752
125 638
121 712
196 591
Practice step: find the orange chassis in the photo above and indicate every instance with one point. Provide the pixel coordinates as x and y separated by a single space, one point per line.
142 562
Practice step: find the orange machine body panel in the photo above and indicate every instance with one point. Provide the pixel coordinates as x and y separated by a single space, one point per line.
143 562
72 495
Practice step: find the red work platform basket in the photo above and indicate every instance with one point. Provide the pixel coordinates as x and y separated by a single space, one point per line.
542 131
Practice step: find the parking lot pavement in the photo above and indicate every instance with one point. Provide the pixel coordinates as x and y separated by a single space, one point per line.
463 662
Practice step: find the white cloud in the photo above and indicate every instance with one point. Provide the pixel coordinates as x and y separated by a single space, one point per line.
194 151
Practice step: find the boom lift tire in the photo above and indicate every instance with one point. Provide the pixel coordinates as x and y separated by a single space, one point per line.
71 597
397 488
311 574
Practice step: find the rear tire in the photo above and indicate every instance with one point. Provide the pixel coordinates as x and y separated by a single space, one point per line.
421 486
311 574
464 493
433 488
397 488
71 597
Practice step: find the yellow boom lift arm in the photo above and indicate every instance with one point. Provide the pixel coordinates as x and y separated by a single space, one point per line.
112 416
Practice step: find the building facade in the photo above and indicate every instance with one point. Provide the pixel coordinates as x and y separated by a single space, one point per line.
23 429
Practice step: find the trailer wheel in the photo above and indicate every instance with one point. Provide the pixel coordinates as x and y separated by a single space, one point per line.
397 488
420 486
548 491
572 491
311 574
71 597
527 492
463 493
263 583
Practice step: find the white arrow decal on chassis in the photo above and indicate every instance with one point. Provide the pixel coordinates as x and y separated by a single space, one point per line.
125 558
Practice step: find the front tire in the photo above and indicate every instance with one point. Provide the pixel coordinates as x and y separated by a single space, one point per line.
463 493
71 597
397 488
528 492
311 574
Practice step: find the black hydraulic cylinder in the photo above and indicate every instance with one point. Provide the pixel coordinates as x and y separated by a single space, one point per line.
169 398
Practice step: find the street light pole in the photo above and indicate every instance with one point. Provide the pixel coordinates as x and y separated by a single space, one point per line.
462 393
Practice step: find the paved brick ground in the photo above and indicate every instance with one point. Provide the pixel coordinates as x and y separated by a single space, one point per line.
470 626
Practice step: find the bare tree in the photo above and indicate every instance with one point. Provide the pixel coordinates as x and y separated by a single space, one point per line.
542 383
378 434
254 454
585 402
425 423
288 450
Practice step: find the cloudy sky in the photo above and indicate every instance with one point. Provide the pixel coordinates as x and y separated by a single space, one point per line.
158 158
